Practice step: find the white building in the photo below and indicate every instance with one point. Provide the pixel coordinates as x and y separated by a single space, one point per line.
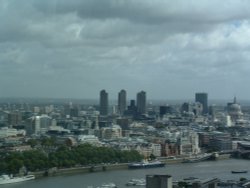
112 132
189 143
9 132
156 149
91 139
38 124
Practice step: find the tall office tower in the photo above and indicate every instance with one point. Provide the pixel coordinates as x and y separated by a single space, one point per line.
202 98
103 103
132 109
122 101
141 102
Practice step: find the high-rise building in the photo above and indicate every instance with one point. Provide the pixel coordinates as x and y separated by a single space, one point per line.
203 99
132 109
122 101
141 102
103 103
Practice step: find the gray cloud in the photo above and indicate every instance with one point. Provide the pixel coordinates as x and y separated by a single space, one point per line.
171 49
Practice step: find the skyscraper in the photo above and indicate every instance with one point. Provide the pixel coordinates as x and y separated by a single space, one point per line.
141 102
202 98
122 101
103 103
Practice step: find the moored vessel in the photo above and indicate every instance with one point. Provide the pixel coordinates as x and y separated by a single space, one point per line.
108 185
239 172
136 182
146 164
7 179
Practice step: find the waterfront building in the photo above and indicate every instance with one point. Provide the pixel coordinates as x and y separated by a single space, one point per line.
170 149
221 141
156 149
189 143
159 181
141 102
204 139
104 103
122 102
203 99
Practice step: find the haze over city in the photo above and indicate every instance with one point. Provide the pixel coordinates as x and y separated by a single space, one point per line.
170 49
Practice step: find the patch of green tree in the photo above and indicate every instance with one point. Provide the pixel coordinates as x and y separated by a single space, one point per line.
65 157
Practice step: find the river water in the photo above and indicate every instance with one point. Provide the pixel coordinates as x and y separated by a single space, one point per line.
203 170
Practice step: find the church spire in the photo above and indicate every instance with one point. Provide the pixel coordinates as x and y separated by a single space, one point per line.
235 101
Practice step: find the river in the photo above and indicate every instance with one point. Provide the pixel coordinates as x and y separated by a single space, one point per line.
203 170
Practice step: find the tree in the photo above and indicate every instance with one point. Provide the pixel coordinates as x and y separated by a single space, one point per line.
243 179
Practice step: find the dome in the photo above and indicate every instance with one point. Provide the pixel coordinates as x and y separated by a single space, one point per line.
234 108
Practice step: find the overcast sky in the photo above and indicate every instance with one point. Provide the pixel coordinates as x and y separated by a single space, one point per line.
168 48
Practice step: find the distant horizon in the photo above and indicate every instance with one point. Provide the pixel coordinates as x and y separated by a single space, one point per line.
113 101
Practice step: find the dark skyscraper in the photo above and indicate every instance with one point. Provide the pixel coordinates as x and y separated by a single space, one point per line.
103 103
202 98
122 102
141 102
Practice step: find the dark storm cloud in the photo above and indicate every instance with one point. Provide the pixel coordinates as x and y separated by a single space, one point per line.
153 12
75 48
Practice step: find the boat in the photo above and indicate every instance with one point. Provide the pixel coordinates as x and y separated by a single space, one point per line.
239 172
136 182
146 164
6 179
108 185
190 178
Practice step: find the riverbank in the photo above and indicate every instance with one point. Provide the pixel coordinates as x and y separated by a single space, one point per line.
104 167
202 170
74 170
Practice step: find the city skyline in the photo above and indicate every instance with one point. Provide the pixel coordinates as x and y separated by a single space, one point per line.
170 49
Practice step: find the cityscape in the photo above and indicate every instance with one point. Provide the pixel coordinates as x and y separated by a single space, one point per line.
182 133
120 93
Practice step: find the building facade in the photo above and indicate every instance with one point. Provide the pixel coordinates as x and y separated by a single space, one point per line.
122 102
203 99
104 103
141 102
159 181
